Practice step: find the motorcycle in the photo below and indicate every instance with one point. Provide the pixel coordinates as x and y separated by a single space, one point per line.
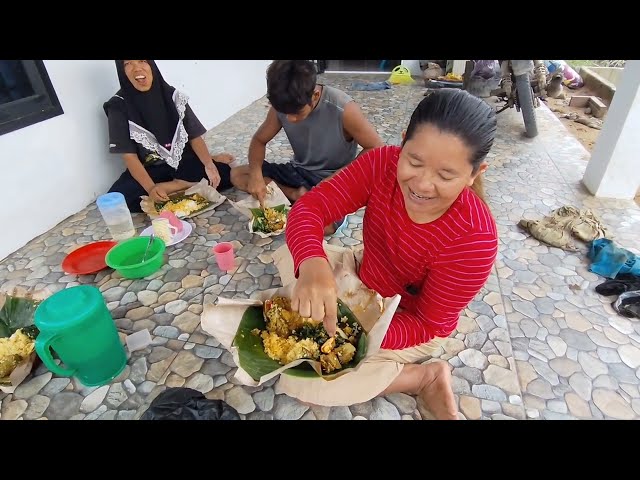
530 80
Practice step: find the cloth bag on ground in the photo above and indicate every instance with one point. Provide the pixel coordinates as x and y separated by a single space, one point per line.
610 260
565 224
372 311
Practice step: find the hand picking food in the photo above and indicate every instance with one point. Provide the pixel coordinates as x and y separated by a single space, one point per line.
288 337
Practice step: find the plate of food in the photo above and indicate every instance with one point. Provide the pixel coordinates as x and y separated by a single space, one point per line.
272 336
17 336
269 220
450 77
174 238
198 199
182 205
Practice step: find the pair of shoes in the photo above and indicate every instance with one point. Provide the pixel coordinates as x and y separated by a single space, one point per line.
558 228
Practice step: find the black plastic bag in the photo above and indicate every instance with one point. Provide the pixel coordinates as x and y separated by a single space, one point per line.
188 404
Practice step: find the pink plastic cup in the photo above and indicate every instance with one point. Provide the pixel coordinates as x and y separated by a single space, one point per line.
224 255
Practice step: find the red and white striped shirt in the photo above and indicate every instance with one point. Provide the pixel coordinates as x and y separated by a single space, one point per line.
446 262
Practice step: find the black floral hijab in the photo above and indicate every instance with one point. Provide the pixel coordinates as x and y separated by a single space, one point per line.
156 116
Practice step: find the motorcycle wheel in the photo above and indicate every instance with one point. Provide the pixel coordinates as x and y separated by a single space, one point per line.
525 99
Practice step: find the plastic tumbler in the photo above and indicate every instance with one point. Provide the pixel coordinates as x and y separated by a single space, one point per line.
116 215
224 255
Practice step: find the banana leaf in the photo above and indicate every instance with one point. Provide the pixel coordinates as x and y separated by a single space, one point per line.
257 363
16 313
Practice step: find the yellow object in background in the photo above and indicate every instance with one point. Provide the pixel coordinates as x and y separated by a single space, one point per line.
400 75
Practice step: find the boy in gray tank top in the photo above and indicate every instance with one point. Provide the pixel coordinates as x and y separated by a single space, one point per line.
324 127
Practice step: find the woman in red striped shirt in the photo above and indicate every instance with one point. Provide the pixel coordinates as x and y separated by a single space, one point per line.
427 236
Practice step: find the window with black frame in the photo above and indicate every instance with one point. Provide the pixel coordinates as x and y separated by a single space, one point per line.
26 95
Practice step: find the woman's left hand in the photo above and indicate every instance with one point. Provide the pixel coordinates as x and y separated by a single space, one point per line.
213 175
223 158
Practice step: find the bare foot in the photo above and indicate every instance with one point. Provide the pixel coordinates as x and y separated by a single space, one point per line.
436 391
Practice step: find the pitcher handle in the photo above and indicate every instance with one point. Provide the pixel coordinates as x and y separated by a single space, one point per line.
43 349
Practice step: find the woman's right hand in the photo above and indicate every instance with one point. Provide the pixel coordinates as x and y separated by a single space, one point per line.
315 294
158 193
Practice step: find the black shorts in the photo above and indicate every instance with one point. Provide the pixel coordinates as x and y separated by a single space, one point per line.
189 171
291 175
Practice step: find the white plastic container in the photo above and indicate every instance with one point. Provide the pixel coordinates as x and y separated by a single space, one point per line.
138 340
116 215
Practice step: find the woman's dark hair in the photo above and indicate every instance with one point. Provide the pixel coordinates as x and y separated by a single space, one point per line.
290 84
457 112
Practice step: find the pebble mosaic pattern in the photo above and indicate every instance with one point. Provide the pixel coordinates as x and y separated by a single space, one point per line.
536 343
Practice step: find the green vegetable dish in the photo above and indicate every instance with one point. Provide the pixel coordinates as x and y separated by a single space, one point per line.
269 219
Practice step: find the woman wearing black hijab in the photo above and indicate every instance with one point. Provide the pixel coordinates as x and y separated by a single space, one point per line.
159 137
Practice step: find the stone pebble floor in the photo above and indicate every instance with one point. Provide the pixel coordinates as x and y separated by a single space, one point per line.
536 343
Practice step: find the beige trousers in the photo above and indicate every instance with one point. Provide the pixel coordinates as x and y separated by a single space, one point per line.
369 380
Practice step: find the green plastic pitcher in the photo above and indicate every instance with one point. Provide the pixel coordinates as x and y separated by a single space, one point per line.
78 326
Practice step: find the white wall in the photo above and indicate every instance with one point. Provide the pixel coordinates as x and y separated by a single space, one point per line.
217 88
57 167
612 171
413 66
612 74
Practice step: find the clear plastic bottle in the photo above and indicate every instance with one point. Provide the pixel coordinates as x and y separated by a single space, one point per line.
116 215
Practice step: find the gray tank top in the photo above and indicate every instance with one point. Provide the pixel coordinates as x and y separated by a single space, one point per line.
318 141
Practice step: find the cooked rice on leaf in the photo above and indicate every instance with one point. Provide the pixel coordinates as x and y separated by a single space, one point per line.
14 350
289 337
184 205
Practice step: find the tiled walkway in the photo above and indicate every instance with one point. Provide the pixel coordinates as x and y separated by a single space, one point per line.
537 342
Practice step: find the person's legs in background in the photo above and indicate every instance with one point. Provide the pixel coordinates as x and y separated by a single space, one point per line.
287 178
191 170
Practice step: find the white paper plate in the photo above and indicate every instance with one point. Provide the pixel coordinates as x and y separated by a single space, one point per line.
186 231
